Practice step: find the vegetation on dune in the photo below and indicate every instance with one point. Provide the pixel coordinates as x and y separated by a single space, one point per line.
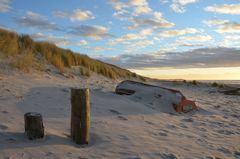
24 50
194 82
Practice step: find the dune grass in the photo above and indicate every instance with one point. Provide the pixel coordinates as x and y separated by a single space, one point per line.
24 49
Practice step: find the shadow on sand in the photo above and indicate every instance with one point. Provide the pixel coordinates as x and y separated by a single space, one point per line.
13 140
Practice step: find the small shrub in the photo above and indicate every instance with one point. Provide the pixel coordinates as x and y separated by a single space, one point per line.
194 82
134 75
214 84
221 85
142 78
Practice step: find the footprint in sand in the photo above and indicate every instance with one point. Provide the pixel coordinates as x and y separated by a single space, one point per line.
119 114
4 112
225 132
149 123
183 125
3 127
224 150
237 154
187 120
133 158
168 156
11 140
49 154
114 112
123 137
122 117
163 132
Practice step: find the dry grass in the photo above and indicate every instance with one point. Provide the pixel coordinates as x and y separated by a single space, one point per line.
24 50
23 62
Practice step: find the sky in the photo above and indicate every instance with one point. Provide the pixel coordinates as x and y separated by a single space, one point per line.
165 39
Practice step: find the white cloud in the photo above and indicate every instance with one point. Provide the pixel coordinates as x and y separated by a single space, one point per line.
185 2
125 38
5 5
82 42
100 49
224 26
137 45
174 33
232 37
138 7
77 15
229 27
143 34
198 38
215 22
224 9
178 6
139 13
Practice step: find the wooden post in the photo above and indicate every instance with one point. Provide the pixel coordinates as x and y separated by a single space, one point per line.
80 115
33 125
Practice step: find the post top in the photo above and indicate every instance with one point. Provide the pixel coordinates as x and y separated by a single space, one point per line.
33 114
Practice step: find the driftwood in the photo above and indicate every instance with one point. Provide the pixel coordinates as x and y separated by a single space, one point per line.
80 115
124 91
34 125
232 92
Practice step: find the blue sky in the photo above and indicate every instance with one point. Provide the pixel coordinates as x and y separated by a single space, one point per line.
135 34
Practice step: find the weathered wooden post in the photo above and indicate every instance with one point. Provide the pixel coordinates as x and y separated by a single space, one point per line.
34 125
80 115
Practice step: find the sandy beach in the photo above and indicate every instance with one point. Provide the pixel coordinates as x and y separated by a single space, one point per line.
121 126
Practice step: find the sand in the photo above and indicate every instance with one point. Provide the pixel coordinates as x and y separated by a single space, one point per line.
126 127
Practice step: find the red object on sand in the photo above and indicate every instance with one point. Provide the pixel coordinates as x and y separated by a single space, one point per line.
185 106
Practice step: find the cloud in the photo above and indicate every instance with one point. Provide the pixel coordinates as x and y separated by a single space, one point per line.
224 9
137 7
215 22
174 33
125 38
178 6
223 26
197 58
139 14
137 45
5 5
82 42
77 15
198 38
229 27
92 31
150 23
58 40
35 20
100 49
131 37
232 37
